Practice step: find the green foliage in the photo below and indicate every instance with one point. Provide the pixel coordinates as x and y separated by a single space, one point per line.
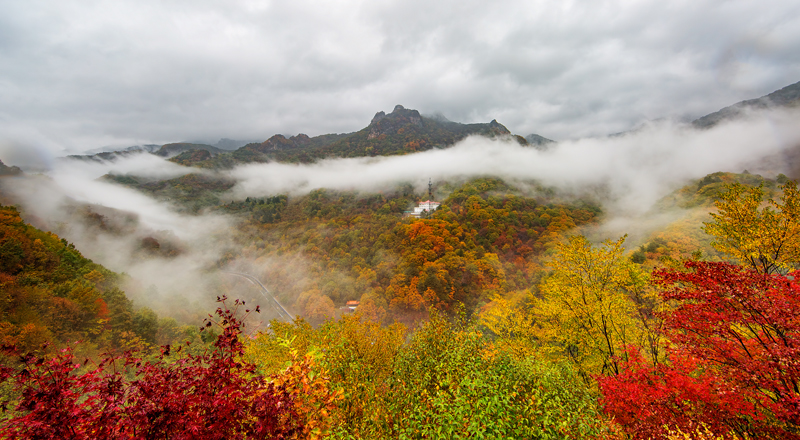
261 210
446 381
190 193
450 384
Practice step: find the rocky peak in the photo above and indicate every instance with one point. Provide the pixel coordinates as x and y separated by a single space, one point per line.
378 116
300 139
498 128
9 171
276 142
279 142
389 124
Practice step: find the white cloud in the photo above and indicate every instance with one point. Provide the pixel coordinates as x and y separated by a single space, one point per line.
637 168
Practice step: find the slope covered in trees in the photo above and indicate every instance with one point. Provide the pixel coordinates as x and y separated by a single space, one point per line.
52 294
485 238
601 349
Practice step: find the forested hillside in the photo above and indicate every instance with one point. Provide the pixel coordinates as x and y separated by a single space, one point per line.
485 238
52 294
604 347
508 312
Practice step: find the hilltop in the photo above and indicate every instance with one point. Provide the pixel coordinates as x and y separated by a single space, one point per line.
788 96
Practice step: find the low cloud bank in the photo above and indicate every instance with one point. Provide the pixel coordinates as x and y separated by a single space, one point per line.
166 253
630 171
635 169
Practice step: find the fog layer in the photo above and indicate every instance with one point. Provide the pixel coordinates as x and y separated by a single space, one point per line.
117 226
635 169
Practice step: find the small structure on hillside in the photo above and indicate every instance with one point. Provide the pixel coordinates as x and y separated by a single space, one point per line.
426 206
352 305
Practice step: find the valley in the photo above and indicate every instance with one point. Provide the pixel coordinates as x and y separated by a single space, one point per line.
553 280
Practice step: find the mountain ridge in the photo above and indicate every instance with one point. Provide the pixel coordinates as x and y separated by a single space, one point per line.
788 96
402 131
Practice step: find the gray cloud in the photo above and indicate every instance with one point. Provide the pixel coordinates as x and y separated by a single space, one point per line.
78 75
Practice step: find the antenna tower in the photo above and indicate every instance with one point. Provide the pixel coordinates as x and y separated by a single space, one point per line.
430 189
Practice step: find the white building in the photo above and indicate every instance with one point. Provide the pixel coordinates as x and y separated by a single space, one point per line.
427 205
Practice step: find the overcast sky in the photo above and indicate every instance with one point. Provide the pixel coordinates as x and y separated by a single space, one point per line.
78 75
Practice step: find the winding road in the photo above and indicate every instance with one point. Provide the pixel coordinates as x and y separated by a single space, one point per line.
282 312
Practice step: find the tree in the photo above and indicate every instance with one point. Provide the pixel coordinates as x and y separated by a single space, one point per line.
735 356
514 326
765 238
648 401
449 383
214 395
594 303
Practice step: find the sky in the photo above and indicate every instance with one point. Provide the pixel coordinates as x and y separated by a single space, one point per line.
80 75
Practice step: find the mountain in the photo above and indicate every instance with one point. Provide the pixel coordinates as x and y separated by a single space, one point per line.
6 170
400 132
539 142
170 150
146 147
788 96
105 156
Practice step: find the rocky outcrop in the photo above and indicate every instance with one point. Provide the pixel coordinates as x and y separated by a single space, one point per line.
9 171
279 142
393 122
497 128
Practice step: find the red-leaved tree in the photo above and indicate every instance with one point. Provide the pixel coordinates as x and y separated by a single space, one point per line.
734 357
215 395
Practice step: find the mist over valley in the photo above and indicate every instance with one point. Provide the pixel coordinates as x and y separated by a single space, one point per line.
177 217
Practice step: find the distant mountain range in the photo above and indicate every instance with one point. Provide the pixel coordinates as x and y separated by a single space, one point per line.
788 96
402 131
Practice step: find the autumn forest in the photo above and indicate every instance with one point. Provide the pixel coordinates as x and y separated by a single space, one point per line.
519 308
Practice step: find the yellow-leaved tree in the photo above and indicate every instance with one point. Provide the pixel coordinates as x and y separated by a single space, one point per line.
594 303
762 235
514 327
